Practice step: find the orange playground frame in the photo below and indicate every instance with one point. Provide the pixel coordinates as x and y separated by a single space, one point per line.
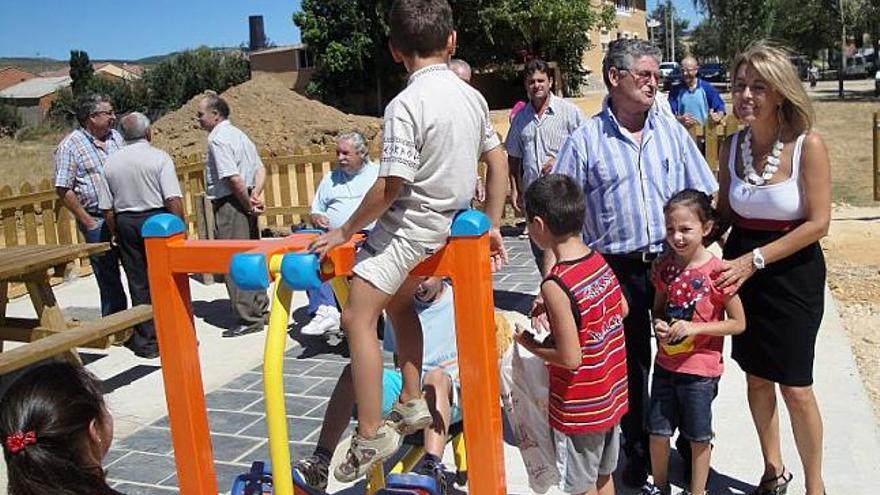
464 259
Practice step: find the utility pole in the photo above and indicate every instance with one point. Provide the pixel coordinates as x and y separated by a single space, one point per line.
671 31
842 51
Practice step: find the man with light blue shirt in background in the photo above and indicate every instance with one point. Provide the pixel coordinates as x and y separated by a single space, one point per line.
695 101
338 196
630 161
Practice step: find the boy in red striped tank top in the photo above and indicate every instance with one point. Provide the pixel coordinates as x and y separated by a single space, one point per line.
585 350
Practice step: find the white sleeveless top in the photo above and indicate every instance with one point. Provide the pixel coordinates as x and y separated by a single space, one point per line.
780 201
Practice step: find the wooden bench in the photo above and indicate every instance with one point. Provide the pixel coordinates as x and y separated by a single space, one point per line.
89 334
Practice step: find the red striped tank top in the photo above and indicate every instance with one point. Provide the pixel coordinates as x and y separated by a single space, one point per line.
594 397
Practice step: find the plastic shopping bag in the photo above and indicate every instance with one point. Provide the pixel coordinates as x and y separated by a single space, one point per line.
524 393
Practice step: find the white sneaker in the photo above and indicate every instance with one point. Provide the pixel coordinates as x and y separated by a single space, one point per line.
326 319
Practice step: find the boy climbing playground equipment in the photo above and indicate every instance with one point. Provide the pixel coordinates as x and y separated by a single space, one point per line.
255 264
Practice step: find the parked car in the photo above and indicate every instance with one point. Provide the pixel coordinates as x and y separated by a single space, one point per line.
712 72
672 79
856 67
877 83
666 68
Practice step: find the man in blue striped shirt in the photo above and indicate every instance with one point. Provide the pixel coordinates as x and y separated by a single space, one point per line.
630 161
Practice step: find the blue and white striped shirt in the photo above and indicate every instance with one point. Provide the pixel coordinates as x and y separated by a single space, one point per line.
626 184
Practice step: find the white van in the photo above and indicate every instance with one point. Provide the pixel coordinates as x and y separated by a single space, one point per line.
856 67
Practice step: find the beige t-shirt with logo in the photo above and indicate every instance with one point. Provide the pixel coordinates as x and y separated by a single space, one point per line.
434 132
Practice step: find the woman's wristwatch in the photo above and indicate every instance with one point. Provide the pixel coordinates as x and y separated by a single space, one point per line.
758 259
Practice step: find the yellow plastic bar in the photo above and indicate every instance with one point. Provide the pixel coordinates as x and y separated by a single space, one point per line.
460 453
375 479
409 460
340 288
273 385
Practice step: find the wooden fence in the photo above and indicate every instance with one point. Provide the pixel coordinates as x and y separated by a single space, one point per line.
34 215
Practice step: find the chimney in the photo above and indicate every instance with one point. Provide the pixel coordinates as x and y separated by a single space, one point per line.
258 35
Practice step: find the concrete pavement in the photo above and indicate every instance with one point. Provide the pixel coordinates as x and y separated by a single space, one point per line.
141 461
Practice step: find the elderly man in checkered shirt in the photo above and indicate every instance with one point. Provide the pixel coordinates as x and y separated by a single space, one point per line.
79 181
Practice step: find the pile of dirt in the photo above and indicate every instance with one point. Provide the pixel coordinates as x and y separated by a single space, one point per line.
275 117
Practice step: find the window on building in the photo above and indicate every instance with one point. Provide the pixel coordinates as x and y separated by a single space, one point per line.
305 59
624 5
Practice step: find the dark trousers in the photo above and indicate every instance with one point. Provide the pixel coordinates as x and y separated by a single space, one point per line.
106 268
134 261
538 253
232 222
634 278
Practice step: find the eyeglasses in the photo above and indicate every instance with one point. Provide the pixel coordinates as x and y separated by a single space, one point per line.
105 112
642 76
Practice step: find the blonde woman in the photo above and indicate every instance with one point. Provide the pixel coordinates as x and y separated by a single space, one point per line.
776 192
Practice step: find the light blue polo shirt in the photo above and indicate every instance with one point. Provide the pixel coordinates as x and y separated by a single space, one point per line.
695 103
339 194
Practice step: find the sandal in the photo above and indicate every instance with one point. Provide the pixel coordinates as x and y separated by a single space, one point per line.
780 484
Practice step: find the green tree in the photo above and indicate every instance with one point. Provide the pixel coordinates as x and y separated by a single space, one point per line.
738 23
10 120
555 30
172 82
81 70
349 39
662 33
805 26
706 42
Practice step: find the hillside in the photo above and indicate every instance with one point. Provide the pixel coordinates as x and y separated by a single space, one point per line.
45 64
32 64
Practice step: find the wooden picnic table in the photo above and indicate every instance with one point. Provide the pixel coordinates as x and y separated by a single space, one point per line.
50 333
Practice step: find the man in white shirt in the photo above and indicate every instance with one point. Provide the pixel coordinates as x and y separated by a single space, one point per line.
338 196
234 179
536 134
141 182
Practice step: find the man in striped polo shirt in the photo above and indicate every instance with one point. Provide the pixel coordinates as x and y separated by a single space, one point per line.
537 132
630 161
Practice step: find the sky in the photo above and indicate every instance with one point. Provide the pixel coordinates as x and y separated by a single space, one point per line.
109 29
684 8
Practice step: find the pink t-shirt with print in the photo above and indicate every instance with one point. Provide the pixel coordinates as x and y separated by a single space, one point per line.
691 295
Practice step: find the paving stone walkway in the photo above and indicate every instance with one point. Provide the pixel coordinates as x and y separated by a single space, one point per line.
143 462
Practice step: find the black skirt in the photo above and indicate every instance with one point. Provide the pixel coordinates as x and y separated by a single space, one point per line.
783 304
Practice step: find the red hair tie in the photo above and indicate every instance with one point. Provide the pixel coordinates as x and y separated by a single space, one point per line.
16 442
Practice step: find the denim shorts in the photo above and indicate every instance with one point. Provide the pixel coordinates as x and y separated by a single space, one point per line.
683 401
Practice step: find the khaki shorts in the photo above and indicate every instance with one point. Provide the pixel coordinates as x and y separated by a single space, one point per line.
581 459
385 260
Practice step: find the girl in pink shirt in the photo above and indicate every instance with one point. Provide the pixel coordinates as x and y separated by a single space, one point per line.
690 327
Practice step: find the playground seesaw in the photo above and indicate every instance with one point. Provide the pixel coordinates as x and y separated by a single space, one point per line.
285 266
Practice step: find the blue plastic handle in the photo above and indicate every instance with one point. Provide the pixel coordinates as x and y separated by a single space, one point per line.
301 271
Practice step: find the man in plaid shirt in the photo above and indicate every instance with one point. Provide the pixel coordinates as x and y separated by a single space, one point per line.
79 181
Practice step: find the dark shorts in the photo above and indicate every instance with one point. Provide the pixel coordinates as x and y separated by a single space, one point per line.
682 401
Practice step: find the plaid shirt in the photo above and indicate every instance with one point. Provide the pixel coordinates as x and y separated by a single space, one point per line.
79 165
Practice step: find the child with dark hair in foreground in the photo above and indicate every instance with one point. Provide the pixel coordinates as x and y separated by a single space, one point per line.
585 350
55 430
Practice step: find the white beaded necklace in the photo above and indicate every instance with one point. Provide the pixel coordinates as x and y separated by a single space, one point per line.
771 163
